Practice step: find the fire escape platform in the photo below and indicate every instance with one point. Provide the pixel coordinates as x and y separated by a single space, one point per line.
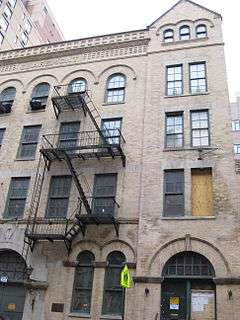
73 101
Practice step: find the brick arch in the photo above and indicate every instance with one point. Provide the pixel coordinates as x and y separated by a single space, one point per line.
81 73
203 247
18 84
88 245
125 69
52 80
119 245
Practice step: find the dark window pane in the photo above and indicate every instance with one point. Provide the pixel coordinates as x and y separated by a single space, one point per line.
174 193
29 141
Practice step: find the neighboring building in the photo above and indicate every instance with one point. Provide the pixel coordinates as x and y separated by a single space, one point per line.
235 115
27 23
118 149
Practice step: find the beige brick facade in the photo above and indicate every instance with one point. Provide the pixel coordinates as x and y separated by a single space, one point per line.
147 238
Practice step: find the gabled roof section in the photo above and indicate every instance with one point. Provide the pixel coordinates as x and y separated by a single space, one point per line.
180 1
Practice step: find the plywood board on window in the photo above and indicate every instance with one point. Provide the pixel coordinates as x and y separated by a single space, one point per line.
202 192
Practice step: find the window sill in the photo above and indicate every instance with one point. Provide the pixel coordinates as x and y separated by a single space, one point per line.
5 114
113 103
189 218
79 315
188 95
110 317
25 159
189 149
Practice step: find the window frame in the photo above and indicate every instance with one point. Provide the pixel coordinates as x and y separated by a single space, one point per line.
69 139
2 133
197 33
7 23
173 81
185 33
10 197
165 215
200 78
107 288
76 289
70 85
192 129
49 197
10 11
236 147
123 88
12 5
236 125
115 140
168 37
174 114
33 142
40 97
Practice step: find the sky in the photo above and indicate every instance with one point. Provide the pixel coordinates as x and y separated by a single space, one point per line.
79 19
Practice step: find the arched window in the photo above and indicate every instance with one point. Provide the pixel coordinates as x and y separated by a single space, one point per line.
184 33
113 293
201 31
7 97
12 266
168 35
115 92
40 96
83 281
78 85
188 264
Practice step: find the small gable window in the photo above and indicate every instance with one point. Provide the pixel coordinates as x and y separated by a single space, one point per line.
168 35
184 33
7 97
78 85
201 31
40 96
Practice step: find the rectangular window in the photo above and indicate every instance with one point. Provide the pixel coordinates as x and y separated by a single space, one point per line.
2 132
24 38
198 81
200 128
174 80
104 193
237 148
112 129
3 24
29 141
68 134
1 38
28 27
17 196
174 193
7 12
202 192
174 130
58 196
236 125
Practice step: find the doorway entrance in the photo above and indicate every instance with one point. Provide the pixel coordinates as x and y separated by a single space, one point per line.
188 290
12 291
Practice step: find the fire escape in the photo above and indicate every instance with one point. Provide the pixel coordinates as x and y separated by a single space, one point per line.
92 144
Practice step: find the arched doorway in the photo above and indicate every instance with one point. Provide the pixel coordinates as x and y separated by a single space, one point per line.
188 290
12 291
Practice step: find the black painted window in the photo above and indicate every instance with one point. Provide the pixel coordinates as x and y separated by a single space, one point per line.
200 128
174 80
17 196
115 92
58 197
104 193
168 35
83 282
7 97
201 31
184 33
198 81
173 193
174 130
40 96
29 141
113 293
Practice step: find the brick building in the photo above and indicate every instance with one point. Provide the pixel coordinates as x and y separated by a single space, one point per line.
25 23
114 151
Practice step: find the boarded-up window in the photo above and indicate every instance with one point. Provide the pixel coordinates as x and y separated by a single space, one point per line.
202 192
174 193
104 193
58 197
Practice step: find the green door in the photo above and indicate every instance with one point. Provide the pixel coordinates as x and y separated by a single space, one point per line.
12 300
